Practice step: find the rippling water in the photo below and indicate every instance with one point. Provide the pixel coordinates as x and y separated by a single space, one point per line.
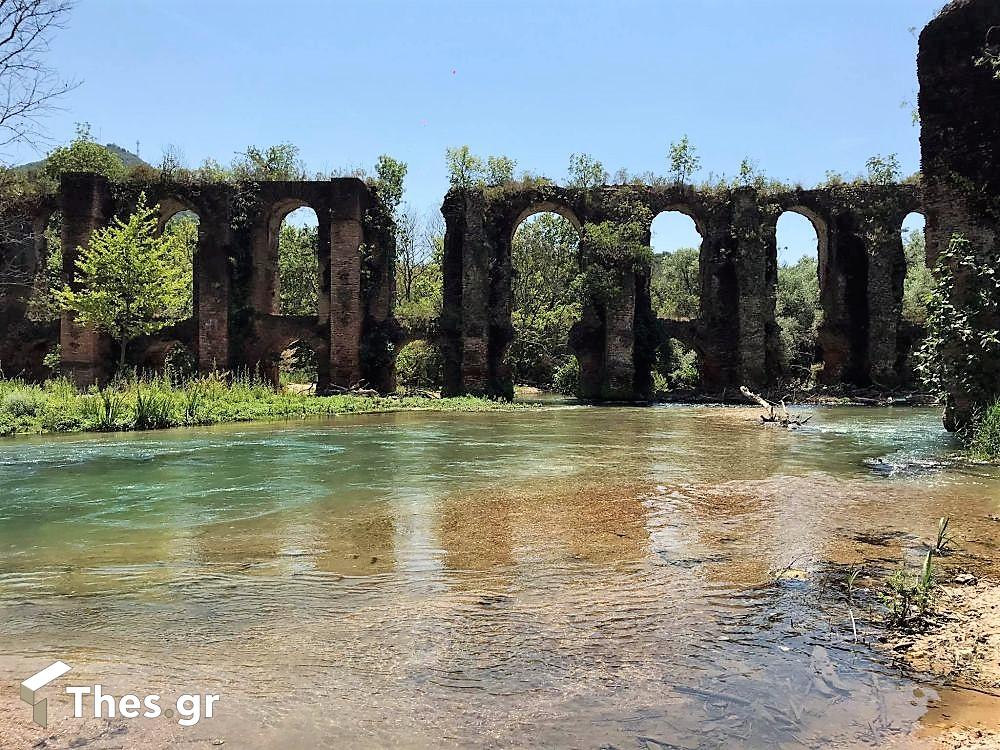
576 577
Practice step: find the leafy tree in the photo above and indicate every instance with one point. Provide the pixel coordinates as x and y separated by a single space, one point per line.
127 279
182 230
279 162
546 259
586 172
675 285
298 270
684 160
798 315
84 154
389 176
883 170
919 282
464 169
499 170
749 175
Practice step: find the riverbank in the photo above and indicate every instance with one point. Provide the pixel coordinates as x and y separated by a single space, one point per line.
959 647
147 404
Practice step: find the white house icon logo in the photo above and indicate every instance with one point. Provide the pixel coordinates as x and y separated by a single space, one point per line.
31 686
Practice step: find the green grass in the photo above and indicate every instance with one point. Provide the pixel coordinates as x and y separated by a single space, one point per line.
985 442
154 403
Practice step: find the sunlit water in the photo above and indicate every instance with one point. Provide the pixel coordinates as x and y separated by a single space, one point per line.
573 577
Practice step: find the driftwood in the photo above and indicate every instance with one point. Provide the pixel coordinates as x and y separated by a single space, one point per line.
358 389
773 416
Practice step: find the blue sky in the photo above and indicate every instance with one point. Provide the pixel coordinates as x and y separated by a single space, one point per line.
799 87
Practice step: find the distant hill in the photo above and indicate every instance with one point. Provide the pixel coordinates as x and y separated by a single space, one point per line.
128 158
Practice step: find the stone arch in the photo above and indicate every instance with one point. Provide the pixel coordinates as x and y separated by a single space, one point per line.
799 346
542 207
526 359
265 285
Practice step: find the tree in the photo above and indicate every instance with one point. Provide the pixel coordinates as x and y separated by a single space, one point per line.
298 270
464 169
84 154
29 86
675 285
545 255
919 282
389 176
586 172
798 314
279 162
127 281
419 252
684 160
499 169
883 170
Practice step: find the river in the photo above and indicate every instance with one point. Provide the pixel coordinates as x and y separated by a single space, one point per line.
565 576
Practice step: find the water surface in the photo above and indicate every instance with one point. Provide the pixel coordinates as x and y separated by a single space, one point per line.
578 577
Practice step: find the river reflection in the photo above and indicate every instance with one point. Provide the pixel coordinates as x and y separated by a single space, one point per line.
585 577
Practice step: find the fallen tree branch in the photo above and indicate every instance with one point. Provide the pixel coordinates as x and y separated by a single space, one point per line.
784 418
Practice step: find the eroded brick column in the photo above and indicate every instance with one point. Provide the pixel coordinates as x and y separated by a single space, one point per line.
211 304
618 381
465 320
886 272
86 204
346 314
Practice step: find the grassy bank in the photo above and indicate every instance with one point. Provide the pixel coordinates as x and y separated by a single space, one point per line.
985 441
149 404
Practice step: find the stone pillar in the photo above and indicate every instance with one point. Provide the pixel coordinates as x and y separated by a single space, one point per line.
886 272
756 274
346 313
618 378
465 321
86 204
717 331
211 303
958 67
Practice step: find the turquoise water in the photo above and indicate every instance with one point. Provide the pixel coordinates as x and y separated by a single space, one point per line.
594 577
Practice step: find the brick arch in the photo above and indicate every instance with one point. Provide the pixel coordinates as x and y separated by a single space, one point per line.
265 283
546 207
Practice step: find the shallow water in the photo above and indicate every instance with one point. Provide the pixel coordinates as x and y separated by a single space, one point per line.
576 577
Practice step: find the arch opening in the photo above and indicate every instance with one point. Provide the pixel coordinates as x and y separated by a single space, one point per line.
298 367
918 283
798 306
675 295
184 226
297 284
545 261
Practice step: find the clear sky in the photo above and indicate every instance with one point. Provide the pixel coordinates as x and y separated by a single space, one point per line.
799 87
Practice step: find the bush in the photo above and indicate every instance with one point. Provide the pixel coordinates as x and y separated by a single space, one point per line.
24 403
566 379
985 438
419 365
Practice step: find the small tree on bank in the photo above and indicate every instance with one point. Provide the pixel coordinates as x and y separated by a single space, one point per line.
128 281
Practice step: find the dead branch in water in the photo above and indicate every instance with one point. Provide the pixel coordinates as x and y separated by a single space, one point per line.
773 416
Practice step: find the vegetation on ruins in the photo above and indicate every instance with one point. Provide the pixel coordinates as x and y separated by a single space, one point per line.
961 353
129 279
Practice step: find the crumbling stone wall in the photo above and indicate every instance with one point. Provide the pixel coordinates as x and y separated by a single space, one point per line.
958 65
736 336
236 322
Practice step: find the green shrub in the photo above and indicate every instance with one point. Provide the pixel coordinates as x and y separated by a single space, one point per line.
419 365
153 411
984 443
23 403
566 379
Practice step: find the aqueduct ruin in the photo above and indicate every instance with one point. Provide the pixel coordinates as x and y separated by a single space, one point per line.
861 281
236 322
